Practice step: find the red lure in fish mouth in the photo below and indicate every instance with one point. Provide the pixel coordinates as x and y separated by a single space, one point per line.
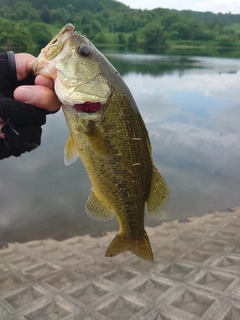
88 107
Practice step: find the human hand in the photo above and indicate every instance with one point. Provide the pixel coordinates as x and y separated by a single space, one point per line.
23 104
41 94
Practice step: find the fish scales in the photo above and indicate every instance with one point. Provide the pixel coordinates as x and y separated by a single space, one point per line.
109 135
113 173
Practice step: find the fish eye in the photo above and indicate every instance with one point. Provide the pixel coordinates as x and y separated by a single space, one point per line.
84 51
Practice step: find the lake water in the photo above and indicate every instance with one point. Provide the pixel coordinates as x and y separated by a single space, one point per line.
191 107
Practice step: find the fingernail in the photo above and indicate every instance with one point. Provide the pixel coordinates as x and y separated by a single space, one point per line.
23 94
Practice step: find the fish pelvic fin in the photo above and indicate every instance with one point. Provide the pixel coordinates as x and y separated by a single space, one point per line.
159 193
141 247
99 145
97 209
70 152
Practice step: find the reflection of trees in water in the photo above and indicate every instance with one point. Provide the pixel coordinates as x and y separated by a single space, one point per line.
162 64
154 66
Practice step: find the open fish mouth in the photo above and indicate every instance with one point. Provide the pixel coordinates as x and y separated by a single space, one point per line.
88 107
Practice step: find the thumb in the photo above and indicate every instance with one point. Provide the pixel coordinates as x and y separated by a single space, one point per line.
38 96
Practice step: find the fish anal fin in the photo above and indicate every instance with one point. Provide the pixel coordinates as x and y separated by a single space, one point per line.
159 193
70 152
141 247
97 210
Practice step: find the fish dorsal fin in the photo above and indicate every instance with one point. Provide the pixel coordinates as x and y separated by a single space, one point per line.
70 152
97 210
159 193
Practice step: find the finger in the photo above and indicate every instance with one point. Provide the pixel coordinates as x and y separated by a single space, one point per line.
44 81
2 136
38 96
24 62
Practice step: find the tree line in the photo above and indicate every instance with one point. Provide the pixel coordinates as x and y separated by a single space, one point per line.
25 24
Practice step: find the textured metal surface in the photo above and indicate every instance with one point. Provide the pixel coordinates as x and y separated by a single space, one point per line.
196 275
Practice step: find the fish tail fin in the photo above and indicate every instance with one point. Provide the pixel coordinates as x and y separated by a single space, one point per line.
141 247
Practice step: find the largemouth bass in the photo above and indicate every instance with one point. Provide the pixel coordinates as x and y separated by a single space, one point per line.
109 135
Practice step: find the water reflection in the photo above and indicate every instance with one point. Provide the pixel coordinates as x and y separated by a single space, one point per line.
192 111
166 64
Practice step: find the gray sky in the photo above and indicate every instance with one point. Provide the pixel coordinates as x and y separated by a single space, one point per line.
215 6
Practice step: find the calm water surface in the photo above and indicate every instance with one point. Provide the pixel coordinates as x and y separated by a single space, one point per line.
191 107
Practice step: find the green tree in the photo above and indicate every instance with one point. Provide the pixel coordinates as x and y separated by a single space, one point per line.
121 39
86 17
100 38
45 14
132 42
225 40
168 20
6 12
39 33
91 29
25 11
60 15
181 30
96 18
154 36
15 36
122 22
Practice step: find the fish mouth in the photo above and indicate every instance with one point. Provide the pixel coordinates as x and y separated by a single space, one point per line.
88 107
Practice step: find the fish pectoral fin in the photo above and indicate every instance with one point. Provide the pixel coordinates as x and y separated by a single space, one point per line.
141 247
97 210
159 193
70 152
99 145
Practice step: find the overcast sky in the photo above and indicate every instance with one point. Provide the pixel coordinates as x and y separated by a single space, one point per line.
215 6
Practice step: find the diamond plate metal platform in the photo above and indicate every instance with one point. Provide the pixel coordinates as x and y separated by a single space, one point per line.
195 275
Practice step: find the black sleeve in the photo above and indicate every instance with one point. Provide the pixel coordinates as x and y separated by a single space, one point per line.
22 122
